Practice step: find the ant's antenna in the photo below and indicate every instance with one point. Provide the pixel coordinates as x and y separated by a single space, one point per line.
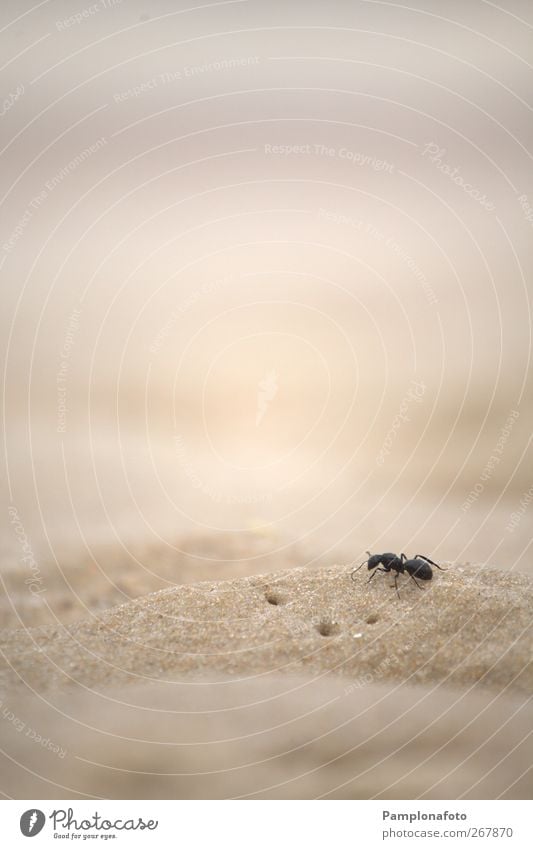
362 564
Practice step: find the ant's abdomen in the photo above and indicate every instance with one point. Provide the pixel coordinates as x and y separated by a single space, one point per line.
419 569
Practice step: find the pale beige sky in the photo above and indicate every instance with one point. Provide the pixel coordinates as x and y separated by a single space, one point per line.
340 194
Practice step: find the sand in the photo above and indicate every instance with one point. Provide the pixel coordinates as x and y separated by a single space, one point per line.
293 684
468 625
272 736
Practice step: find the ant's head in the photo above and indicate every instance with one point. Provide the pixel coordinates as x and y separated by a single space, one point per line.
373 560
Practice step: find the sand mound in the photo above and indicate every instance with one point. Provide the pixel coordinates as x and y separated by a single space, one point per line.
468 625
295 684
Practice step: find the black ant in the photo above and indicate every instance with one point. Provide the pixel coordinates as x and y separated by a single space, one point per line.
418 566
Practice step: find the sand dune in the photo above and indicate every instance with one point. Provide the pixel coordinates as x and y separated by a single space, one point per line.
294 684
469 625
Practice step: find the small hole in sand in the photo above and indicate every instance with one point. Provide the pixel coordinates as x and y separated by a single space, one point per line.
273 598
372 619
327 629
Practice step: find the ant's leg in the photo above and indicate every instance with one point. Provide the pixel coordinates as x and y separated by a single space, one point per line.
403 558
416 582
396 584
422 557
377 569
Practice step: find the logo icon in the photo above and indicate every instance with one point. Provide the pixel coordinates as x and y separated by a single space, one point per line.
32 822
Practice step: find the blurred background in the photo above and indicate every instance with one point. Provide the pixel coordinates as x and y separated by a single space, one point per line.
266 275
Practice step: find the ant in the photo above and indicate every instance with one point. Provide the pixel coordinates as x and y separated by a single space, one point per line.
419 565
